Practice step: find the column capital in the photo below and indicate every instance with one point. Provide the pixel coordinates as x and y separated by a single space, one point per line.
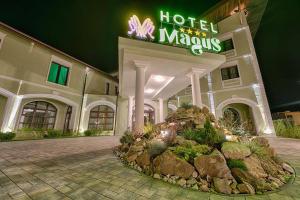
196 71
141 64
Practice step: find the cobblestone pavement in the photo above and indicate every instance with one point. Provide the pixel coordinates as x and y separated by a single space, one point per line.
85 168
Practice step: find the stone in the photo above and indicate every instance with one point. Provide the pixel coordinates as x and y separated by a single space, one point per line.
169 163
245 188
271 167
191 181
143 159
254 167
213 165
133 152
287 168
204 188
132 157
156 176
222 185
235 150
195 174
195 187
181 182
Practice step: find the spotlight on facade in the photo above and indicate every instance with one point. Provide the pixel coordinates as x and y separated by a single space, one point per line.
268 130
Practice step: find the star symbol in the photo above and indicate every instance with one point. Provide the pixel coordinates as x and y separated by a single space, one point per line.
203 34
182 30
197 33
189 31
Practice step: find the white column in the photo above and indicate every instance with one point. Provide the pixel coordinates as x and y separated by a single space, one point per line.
161 110
210 94
130 108
139 97
10 115
196 92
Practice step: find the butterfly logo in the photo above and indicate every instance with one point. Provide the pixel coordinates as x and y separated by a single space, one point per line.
141 30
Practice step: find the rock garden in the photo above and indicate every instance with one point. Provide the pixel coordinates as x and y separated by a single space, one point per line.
193 150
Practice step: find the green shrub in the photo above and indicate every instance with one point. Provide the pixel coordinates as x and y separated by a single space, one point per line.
285 128
93 132
53 133
189 153
255 148
197 135
212 136
127 138
186 105
156 147
232 163
7 136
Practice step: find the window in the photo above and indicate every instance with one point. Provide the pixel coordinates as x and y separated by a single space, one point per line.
38 115
226 45
58 74
230 73
107 89
101 118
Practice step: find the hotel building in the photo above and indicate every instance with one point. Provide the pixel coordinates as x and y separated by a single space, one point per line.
44 88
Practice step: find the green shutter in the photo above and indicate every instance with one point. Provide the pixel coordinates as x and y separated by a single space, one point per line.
53 72
63 75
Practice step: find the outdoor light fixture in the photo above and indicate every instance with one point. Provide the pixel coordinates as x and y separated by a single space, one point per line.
159 78
149 90
164 133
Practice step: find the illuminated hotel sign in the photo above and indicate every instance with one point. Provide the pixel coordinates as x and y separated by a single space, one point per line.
176 30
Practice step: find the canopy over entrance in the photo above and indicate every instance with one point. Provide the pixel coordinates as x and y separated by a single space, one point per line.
154 71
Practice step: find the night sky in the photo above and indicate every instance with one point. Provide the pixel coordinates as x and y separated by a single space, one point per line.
89 30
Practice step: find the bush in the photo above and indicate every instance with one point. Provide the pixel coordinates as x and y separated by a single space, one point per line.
156 147
232 163
197 135
127 138
212 136
92 132
189 153
53 134
186 106
285 128
7 136
257 149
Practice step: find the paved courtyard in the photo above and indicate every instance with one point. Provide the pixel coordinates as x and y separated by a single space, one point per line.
85 168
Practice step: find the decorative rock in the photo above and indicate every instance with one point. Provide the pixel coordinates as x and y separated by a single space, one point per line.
235 150
271 167
195 174
191 181
254 167
213 165
157 176
287 168
143 159
204 188
246 188
195 187
222 185
168 163
181 182
132 157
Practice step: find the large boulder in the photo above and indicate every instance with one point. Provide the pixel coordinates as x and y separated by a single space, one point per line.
271 167
222 185
143 159
213 165
134 151
254 167
242 176
235 150
245 188
169 164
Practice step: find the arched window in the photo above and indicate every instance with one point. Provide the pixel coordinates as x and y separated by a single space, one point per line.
101 118
232 115
38 115
149 115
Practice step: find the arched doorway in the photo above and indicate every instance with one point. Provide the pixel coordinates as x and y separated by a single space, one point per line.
149 115
38 115
238 117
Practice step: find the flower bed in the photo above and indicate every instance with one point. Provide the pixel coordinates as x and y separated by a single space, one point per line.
190 149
